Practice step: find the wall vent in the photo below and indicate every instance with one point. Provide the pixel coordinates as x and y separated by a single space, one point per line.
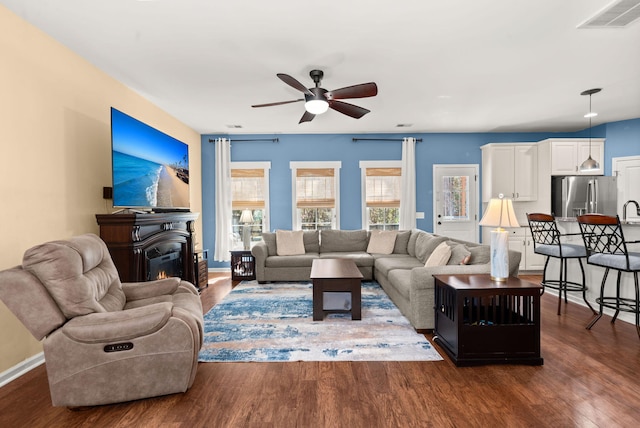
617 15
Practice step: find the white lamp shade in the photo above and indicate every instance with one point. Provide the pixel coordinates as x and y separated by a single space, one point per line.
246 217
499 213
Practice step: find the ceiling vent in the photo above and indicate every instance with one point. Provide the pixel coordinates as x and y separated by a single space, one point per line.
617 15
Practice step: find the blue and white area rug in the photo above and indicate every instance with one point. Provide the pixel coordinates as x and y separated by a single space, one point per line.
274 322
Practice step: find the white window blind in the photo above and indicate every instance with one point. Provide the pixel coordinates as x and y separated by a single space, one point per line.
315 188
383 187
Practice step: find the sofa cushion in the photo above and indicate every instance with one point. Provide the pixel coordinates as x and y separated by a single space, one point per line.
402 242
289 242
411 245
269 239
401 281
386 264
302 260
425 244
382 241
480 254
440 256
343 240
361 258
311 240
459 252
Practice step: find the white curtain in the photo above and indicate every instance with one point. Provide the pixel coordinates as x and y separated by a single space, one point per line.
408 185
223 200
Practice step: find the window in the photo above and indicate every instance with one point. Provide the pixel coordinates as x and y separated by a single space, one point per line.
315 195
455 192
381 181
249 192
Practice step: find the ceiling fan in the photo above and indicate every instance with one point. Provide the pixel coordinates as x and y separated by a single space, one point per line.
318 100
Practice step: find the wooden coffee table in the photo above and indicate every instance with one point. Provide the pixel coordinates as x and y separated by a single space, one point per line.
335 275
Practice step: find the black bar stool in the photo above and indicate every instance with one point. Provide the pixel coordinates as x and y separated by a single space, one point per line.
547 242
606 247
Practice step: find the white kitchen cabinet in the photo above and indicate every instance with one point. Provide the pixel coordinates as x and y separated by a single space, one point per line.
567 155
511 170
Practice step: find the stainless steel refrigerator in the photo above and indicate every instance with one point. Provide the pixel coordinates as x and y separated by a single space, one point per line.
572 196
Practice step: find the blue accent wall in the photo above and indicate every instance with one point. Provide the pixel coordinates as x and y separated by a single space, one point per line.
623 139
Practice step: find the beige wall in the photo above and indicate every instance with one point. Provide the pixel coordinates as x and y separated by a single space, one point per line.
55 150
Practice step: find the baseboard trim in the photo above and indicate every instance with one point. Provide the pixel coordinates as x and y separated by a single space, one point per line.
21 368
222 269
627 317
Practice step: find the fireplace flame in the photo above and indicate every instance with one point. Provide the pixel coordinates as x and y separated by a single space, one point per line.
162 275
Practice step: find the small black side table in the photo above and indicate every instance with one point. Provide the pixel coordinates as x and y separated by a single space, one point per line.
243 266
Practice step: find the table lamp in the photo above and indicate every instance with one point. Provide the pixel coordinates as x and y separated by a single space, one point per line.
246 218
499 213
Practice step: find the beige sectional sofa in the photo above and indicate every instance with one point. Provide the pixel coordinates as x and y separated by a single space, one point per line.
402 273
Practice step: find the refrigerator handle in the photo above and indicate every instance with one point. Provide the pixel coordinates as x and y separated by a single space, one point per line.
592 196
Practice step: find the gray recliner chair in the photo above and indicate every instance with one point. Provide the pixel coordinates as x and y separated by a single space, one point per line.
104 341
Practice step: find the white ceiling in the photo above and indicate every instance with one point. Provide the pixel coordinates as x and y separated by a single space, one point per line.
442 66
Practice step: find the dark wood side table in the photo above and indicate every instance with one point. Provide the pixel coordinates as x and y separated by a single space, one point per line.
202 269
480 321
243 265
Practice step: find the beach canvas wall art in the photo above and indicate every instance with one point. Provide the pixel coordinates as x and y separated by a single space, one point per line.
150 168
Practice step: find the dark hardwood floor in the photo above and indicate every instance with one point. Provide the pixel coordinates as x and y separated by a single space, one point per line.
589 379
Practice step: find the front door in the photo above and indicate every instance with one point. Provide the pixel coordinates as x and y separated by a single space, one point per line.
455 201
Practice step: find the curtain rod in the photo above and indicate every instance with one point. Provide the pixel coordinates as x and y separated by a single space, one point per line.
273 140
382 139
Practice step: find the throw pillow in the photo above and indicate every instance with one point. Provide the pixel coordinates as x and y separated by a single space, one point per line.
426 244
289 242
480 255
440 256
459 253
382 241
402 242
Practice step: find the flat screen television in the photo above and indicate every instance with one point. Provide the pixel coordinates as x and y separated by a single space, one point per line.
150 169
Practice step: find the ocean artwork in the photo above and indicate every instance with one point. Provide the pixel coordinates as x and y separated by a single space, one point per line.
135 181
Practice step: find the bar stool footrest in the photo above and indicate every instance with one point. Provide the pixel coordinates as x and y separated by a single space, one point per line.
568 285
618 303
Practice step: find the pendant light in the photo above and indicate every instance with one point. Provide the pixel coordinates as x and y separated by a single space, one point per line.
590 164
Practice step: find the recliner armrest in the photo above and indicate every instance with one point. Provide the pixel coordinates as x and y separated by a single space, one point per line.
148 289
108 327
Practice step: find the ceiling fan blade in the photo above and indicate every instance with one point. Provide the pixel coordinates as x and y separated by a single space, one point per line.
363 90
294 83
348 109
306 117
278 103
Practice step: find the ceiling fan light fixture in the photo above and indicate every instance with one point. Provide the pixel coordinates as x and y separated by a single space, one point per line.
316 103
